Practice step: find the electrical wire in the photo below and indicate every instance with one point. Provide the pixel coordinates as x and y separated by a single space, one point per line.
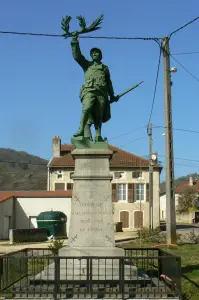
181 158
185 53
182 27
186 165
126 133
185 68
177 129
143 137
84 37
156 82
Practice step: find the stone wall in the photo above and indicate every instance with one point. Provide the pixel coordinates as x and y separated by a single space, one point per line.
28 235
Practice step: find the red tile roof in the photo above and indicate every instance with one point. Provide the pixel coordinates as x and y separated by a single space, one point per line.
120 158
34 194
182 187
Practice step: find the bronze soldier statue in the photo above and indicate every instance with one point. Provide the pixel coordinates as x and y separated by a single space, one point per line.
95 93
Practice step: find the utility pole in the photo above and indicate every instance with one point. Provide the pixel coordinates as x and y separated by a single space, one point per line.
170 189
149 130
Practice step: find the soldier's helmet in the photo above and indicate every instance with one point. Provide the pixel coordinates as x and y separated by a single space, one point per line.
94 49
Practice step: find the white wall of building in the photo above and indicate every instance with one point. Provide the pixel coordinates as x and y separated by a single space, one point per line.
6 218
27 209
163 205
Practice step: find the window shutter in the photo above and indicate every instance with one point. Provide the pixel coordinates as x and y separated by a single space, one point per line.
114 192
60 186
131 192
69 186
135 174
147 192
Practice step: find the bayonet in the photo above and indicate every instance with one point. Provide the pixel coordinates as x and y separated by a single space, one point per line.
127 91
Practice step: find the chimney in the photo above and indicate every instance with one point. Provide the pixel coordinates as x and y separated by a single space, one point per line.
190 180
56 147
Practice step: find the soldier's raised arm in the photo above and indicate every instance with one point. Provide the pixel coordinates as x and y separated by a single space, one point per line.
77 55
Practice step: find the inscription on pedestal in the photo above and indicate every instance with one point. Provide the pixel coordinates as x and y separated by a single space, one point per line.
91 211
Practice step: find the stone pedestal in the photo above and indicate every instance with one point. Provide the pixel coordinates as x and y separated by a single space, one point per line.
91 253
91 224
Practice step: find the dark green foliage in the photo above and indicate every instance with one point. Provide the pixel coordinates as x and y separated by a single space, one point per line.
153 236
187 201
55 246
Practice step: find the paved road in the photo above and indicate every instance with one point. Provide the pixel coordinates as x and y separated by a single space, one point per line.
186 229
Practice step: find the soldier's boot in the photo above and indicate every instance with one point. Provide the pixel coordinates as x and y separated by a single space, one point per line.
84 119
87 132
98 136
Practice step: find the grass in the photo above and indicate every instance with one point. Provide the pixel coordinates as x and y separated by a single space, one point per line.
189 254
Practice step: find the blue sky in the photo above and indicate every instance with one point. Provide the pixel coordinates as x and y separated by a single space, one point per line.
40 81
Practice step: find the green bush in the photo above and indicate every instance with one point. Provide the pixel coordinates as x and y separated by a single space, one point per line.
153 236
55 246
192 237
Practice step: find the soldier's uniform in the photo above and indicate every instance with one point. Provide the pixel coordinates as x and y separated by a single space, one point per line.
94 93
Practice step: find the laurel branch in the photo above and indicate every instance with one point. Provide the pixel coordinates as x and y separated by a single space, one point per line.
65 25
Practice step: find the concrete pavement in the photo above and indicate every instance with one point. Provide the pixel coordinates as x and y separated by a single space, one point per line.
5 247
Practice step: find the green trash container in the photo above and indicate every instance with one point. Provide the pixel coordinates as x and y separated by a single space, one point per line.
54 221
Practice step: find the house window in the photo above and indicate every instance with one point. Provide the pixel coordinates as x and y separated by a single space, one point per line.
118 175
71 174
140 192
59 186
136 174
59 175
122 192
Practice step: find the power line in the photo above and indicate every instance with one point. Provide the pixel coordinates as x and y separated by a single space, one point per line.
185 68
179 165
177 129
182 158
85 37
123 134
143 137
182 27
186 53
185 165
156 82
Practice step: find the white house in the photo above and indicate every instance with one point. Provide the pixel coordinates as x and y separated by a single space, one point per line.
19 210
183 217
130 184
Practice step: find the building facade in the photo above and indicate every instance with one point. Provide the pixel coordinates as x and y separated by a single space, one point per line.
130 184
19 210
186 217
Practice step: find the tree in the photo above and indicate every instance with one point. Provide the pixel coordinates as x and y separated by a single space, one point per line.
187 201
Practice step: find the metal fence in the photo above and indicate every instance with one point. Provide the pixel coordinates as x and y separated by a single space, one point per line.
37 273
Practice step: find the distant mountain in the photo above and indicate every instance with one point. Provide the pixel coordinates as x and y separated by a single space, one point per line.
178 181
22 171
